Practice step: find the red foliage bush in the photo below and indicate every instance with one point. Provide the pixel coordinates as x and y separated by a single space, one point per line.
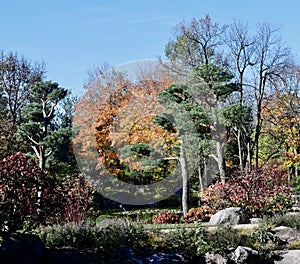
65 200
20 178
74 199
202 213
165 218
261 192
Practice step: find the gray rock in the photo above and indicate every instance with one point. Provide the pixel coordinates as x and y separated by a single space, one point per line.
229 216
20 248
211 258
289 257
255 220
166 258
287 234
295 214
245 255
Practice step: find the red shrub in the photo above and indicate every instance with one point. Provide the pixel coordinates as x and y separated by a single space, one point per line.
259 192
74 199
202 213
20 179
165 218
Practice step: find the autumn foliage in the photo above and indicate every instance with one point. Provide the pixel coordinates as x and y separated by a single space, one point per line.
116 113
165 218
261 192
203 213
19 180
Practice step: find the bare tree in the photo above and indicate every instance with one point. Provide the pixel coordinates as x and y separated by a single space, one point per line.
194 44
17 75
272 61
242 47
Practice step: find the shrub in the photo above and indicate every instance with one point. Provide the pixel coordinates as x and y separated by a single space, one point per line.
20 179
165 218
73 199
292 221
202 213
107 236
261 192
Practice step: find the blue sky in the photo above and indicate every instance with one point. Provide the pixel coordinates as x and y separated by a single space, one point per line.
72 36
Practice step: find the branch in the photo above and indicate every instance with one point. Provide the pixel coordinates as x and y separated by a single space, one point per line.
36 151
49 153
171 158
31 139
52 110
214 157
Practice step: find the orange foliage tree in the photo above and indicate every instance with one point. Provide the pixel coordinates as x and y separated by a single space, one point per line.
115 114
281 133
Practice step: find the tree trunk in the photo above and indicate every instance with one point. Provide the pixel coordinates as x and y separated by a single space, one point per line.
200 174
185 178
220 161
240 151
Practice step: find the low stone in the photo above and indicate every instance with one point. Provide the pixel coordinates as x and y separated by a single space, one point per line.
295 213
255 220
286 234
166 258
288 257
230 216
245 255
212 258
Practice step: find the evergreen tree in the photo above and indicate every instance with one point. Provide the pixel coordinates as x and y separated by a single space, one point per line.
38 127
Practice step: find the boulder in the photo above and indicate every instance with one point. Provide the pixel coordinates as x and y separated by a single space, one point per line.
230 216
255 220
20 248
288 257
245 255
213 258
166 258
294 214
287 234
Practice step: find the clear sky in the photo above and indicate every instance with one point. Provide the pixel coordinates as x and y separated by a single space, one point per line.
72 36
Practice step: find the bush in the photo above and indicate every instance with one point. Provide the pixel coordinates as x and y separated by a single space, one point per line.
20 180
73 199
202 213
165 218
292 221
261 192
107 236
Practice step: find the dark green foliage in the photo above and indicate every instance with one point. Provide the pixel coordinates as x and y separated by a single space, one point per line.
38 121
216 78
106 237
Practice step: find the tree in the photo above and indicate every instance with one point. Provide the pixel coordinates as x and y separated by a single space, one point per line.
199 97
241 53
272 61
194 44
238 119
17 75
280 138
37 127
259 62
242 48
